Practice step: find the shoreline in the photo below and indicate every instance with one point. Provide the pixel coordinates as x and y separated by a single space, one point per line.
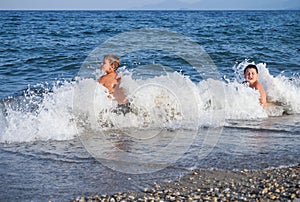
276 184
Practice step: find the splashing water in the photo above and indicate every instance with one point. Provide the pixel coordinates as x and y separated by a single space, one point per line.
282 92
172 100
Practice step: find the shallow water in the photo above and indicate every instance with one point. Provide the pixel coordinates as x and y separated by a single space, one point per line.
64 169
60 138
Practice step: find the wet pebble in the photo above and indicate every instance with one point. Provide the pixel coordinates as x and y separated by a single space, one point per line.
280 184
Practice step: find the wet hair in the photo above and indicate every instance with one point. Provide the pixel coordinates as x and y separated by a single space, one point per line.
251 66
112 60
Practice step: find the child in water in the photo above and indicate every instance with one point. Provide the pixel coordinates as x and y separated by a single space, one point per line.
251 76
112 80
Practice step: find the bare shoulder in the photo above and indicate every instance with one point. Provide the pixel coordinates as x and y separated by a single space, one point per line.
258 86
106 79
102 79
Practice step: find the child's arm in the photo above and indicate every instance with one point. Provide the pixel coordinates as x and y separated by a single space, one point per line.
263 96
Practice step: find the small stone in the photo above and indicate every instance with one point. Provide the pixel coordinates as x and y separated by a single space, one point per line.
221 195
148 191
226 190
82 199
159 192
207 181
197 197
157 186
96 197
265 191
150 198
172 198
293 196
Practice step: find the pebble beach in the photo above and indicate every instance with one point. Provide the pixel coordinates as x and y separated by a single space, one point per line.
276 184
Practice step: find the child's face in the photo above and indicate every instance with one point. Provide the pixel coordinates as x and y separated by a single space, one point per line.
105 66
251 75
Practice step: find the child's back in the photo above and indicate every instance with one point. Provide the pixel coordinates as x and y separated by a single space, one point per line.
112 80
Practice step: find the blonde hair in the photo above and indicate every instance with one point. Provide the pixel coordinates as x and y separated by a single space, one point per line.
112 60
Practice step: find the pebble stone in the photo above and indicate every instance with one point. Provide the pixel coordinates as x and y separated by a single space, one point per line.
278 184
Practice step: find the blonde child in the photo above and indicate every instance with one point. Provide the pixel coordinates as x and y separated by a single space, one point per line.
112 80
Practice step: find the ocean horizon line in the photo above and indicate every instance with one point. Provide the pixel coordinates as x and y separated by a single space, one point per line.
180 9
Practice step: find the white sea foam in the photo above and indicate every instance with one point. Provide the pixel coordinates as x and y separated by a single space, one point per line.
52 119
170 101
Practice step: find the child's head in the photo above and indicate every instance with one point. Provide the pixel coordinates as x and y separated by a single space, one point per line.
251 73
112 60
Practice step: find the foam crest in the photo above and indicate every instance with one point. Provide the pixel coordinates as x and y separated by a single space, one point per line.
165 101
39 117
168 101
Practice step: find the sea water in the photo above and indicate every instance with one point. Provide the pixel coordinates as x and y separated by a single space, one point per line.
182 72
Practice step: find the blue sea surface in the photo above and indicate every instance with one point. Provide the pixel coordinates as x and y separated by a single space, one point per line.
44 146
